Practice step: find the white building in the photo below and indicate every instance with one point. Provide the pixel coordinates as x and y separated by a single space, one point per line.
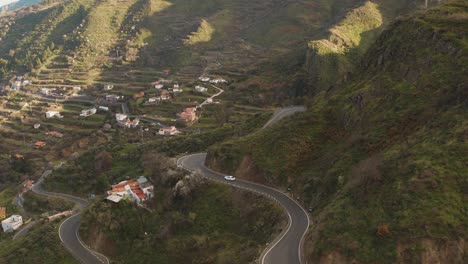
138 191
103 108
12 223
120 117
218 80
204 79
154 100
108 87
159 86
168 131
45 91
52 114
88 112
200 89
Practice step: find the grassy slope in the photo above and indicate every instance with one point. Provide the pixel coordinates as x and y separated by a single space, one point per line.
42 245
211 227
386 150
332 58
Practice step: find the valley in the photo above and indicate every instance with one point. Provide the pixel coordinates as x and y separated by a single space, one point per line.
342 124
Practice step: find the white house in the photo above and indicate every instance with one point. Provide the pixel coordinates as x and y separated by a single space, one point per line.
159 86
45 91
218 80
12 223
154 99
200 89
51 114
103 108
176 86
120 117
168 131
108 87
204 79
88 112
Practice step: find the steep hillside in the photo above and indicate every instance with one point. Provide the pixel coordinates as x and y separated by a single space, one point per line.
333 58
379 160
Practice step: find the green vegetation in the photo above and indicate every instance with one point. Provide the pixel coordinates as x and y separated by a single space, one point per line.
38 204
42 245
201 222
381 159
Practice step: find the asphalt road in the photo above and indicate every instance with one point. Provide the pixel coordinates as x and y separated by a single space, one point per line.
287 248
282 113
68 230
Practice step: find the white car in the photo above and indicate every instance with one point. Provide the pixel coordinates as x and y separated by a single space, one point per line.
229 178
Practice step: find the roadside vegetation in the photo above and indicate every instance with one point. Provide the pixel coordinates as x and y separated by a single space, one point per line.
379 160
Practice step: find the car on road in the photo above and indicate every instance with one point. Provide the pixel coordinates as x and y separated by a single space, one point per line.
229 178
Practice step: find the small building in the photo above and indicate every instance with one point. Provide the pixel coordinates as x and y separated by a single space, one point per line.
218 80
168 131
120 117
108 87
88 112
19 156
46 91
138 190
37 126
165 95
200 89
112 98
153 100
16 85
159 86
54 134
103 108
204 79
135 122
2 213
76 89
39 144
138 95
12 223
188 115
52 114
209 100
176 86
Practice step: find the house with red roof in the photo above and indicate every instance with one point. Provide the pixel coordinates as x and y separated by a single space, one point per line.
138 190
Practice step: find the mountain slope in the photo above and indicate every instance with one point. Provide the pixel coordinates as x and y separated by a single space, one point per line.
379 160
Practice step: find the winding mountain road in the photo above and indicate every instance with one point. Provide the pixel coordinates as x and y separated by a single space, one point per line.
68 230
287 247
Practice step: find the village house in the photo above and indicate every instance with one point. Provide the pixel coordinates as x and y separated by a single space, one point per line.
218 80
88 112
188 115
138 190
154 100
16 85
103 108
12 223
76 89
36 126
135 122
165 95
200 89
54 134
120 117
2 213
138 95
158 85
168 131
19 156
39 144
46 91
112 98
52 114
204 79
209 100
108 87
